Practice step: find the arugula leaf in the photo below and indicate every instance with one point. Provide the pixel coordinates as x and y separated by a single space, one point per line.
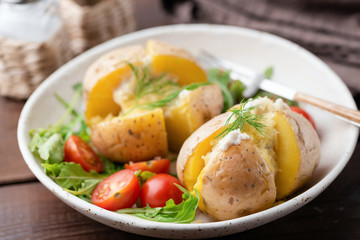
182 213
268 73
219 76
222 78
237 88
77 121
52 149
73 178
110 167
47 144
86 187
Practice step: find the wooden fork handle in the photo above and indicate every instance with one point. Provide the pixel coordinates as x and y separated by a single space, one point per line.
350 114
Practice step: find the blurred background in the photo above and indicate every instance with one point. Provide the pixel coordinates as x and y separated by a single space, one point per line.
38 36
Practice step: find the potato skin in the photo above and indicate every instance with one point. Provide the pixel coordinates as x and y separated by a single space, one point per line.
237 182
309 146
206 102
226 173
190 112
197 137
109 62
138 137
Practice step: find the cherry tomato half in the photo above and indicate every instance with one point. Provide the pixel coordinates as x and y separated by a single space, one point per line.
119 190
304 113
78 151
155 166
157 190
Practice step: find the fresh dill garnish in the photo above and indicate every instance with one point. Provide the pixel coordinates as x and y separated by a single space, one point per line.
243 115
161 86
146 84
163 102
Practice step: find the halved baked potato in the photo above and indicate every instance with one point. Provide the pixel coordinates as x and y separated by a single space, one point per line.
111 91
243 173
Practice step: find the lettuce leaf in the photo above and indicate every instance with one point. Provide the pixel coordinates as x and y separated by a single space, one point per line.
231 90
182 213
47 144
73 178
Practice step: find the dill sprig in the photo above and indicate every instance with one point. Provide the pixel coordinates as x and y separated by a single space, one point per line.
243 116
146 84
163 102
160 85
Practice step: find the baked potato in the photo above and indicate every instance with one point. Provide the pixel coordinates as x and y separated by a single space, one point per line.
245 172
113 106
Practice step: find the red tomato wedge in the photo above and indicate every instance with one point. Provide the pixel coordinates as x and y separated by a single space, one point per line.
155 166
78 151
119 190
157 190
304 113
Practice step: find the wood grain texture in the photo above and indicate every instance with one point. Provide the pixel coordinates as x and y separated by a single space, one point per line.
30 211
16 170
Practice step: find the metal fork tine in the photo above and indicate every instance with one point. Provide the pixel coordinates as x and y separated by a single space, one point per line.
209 63
246 72
249 77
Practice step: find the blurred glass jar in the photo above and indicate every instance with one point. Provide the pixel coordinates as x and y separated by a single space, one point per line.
33 44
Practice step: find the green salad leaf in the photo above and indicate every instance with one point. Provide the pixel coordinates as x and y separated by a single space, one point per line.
222 78
110 167
182 213
269 72
47 144
51 148
73 178
231 90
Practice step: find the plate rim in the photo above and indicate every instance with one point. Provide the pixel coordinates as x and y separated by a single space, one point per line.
95 212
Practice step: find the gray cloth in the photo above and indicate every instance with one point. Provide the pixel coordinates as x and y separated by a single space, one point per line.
328 28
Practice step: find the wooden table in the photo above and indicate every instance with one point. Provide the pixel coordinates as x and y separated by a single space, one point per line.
29 211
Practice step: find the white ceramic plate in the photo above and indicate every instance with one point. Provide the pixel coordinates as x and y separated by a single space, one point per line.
293 66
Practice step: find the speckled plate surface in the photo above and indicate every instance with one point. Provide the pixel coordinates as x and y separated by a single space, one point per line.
293 66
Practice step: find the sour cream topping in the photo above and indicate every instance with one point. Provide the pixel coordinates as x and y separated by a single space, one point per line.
231 139
184 93
280 105
263 105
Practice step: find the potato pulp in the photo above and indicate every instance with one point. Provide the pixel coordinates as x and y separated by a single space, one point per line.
180 124
101 102
190 111
196 163
176 66
179 63
287 157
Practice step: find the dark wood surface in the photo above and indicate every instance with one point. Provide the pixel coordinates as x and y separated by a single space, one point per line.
29 211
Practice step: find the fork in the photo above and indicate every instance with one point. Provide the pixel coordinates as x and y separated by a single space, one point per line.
254 80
